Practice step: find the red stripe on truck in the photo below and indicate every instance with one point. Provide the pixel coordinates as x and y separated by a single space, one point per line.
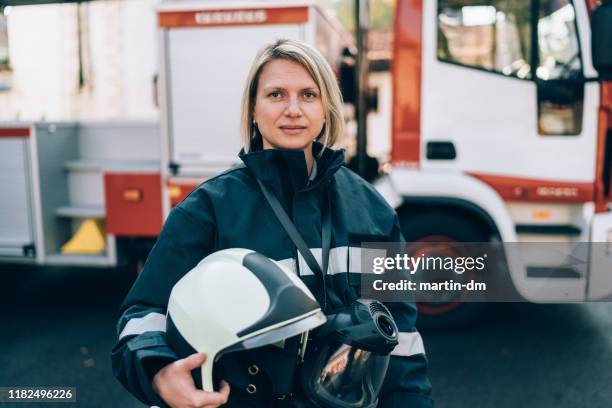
15 132
534 190
233 17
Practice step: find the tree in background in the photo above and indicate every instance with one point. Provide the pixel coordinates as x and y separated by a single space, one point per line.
381 13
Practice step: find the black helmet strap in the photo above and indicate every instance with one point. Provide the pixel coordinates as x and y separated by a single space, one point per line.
302 247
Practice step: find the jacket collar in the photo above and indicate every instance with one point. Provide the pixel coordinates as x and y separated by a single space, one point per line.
288 167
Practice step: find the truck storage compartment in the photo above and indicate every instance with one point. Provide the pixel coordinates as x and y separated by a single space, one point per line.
53 196
133 204
102 147
16 216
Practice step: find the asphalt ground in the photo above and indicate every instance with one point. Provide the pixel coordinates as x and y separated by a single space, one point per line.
58 327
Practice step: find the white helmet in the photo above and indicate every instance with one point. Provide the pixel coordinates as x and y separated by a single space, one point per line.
237 299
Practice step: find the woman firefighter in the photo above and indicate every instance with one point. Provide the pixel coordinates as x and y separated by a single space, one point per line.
291 118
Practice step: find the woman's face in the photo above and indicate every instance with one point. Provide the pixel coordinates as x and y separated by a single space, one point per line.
288 109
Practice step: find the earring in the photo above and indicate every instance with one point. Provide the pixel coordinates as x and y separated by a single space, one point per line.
254 123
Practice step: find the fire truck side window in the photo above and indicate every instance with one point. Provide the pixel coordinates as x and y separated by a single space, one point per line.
559 73
559 52
497 36
494 35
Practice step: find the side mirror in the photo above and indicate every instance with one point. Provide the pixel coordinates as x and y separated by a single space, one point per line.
560 107
560 91
601 39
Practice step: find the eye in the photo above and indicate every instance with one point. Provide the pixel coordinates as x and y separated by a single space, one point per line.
310 94
275 95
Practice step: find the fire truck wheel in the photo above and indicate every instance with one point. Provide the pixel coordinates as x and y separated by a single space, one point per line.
440 226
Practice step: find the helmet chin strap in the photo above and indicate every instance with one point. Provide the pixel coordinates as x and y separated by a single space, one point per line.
207 375
298 241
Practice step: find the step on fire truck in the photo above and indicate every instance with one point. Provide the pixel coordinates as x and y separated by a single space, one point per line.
501 130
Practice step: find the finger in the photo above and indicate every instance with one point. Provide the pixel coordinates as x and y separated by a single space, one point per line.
225 388
193 361
203 398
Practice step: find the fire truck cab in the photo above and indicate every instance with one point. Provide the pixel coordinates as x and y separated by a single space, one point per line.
502 130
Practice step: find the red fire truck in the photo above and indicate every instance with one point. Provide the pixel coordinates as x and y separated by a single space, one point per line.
502 132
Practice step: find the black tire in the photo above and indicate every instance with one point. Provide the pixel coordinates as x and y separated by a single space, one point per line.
416 227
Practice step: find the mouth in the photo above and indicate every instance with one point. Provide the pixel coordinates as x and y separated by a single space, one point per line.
292 129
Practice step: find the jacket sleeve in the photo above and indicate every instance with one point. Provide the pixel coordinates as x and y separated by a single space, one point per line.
406 383
141 349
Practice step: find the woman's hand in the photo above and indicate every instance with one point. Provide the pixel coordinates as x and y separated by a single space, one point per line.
176 387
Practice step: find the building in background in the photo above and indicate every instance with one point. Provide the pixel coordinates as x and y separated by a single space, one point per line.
79 61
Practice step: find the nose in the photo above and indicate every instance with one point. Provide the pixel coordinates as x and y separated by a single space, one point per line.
293 107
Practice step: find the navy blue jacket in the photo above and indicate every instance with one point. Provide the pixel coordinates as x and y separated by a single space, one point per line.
229 211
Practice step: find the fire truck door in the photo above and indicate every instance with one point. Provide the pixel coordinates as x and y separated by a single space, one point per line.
504 83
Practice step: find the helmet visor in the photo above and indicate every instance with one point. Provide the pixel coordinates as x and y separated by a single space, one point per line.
346 376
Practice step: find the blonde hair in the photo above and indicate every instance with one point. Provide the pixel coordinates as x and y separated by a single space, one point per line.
321 73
